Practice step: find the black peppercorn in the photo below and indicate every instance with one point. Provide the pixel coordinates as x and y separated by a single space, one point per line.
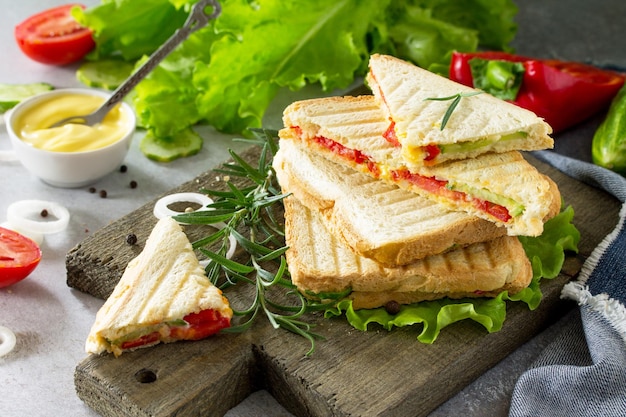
44 213
131 238
392 307
133 184
123 168
92 190
103 193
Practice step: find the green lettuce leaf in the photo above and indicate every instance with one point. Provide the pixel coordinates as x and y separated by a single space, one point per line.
130 28
281 44
227 73
547 254
493 20
419 37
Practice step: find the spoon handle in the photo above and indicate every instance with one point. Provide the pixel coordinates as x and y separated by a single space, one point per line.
196 20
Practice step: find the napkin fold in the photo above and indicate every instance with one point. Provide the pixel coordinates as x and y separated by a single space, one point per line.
583 371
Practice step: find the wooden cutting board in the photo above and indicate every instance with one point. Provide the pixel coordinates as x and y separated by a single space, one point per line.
351 373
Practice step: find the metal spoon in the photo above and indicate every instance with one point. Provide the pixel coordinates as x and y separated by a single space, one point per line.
196 20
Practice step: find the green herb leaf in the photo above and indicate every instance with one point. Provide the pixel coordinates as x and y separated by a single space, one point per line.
249 214
456 99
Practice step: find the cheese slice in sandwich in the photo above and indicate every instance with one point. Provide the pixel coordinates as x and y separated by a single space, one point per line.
375 219
321 266
163 296
499 187
480 122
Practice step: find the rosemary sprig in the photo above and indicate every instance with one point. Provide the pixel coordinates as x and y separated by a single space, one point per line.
456 99
253 208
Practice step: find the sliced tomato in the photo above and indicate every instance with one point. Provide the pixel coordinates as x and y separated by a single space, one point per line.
499 212
435 186
430 184
432 151
390 135
54 36
201 325
353 155
19 256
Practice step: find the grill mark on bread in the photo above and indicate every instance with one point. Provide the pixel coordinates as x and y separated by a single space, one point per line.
163 269
310 232
491 256
393 88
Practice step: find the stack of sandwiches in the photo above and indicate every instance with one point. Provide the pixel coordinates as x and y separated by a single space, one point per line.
417 192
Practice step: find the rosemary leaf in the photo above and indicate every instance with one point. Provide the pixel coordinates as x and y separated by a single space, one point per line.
456 99
250 213
228 263
204 217
219 234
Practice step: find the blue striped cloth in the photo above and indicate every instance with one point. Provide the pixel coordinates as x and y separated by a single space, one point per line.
583 371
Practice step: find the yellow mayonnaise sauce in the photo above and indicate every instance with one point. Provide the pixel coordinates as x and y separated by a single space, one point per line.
33 126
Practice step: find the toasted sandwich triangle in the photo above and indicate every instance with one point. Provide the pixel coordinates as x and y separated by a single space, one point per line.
499 187
480 123
162 296
320 263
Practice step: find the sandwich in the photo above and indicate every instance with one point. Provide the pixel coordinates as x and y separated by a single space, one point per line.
162 296
414 102
499 187
375 219
322 267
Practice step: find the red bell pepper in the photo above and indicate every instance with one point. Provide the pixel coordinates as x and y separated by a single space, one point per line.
563 93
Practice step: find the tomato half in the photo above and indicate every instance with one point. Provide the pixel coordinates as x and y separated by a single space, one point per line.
54 36
19 256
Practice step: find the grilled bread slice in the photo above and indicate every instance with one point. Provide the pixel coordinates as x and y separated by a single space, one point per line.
480 123
376 219
500 187
320 264
163 296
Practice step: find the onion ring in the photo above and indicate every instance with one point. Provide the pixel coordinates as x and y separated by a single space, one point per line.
161 210
7 340
21 213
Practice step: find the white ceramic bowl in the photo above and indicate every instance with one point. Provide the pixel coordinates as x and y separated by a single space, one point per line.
69 169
